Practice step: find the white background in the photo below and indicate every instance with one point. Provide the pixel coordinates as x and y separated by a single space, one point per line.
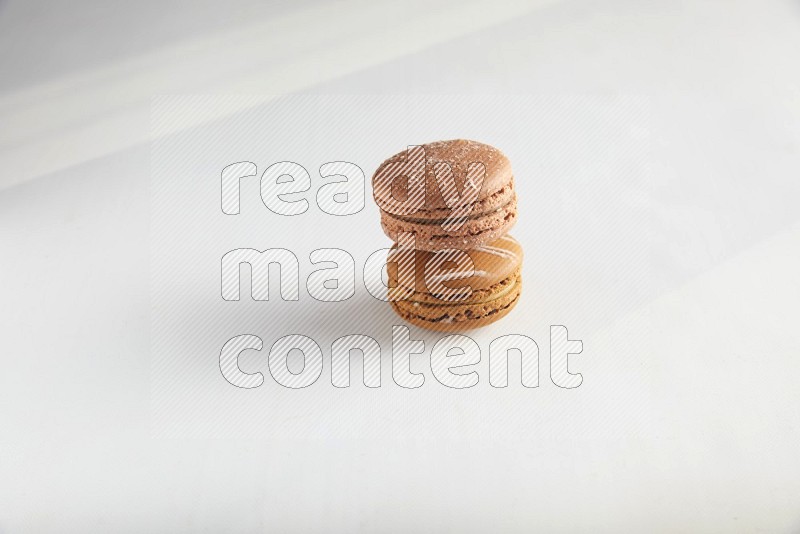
584 187
689 416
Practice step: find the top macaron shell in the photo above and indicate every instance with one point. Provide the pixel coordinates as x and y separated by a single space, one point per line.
487 215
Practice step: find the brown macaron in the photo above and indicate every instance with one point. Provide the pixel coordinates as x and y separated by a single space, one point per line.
444 298
452 194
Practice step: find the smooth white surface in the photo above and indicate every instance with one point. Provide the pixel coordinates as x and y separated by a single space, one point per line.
712 446
94 111
584 223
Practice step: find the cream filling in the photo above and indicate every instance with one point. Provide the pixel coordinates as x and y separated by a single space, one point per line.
471 216
489 298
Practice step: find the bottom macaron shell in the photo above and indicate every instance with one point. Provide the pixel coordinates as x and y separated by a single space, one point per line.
459 316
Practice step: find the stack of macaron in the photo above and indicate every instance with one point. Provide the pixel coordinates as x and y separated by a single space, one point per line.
448 206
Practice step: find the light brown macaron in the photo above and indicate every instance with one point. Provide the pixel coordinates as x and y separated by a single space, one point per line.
451 194
444 298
